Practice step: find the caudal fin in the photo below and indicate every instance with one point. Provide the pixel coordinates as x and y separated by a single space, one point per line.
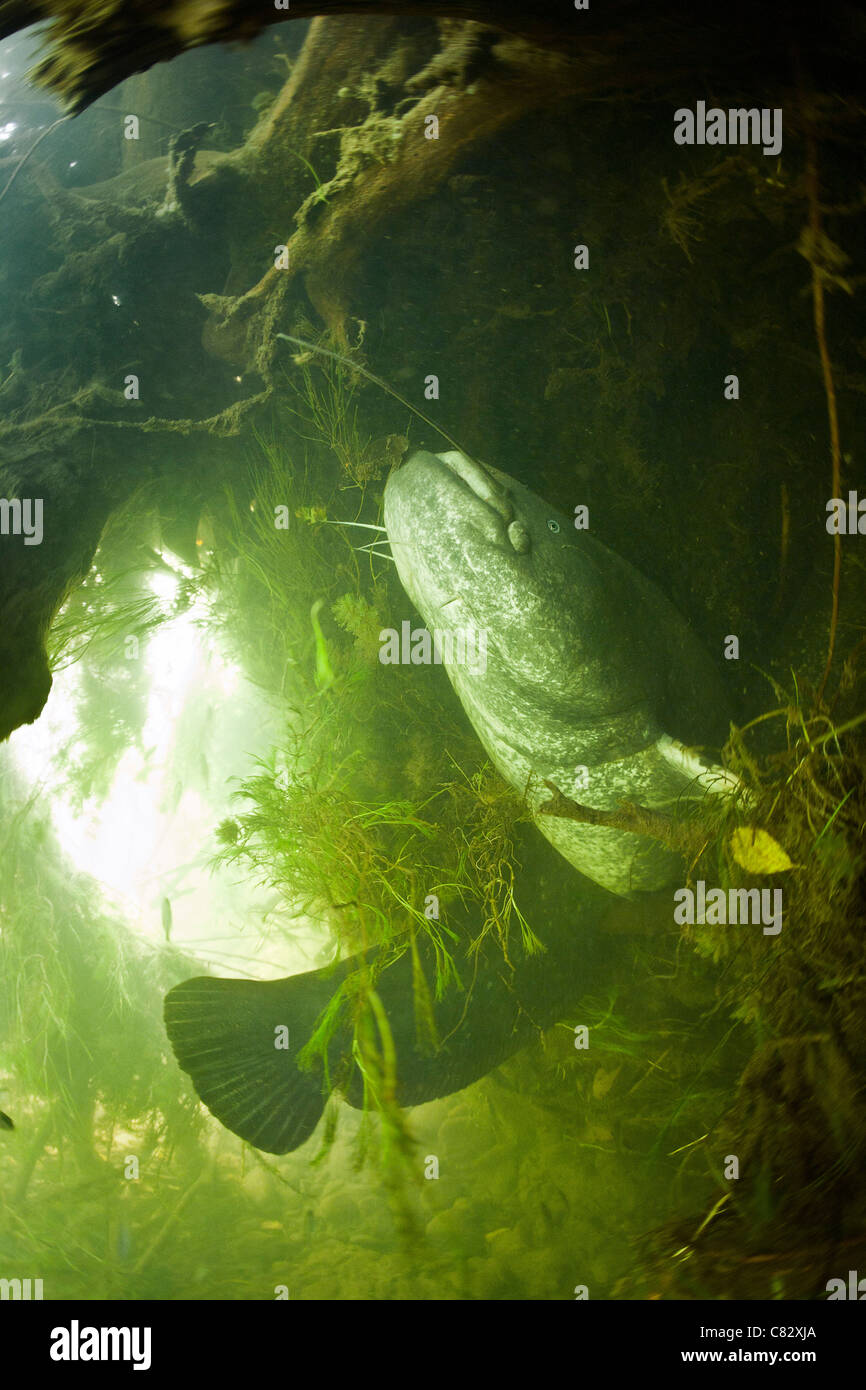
224 1031
225 1034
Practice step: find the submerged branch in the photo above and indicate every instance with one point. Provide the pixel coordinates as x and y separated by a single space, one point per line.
685 837
823 259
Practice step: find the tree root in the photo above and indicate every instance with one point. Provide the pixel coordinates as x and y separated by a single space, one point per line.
686 837
387 164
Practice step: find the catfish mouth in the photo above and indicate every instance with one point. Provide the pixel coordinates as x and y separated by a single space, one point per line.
489 490
494 519
477 478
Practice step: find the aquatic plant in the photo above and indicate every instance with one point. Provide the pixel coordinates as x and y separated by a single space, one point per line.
381 852
325 412
796 1120
687 206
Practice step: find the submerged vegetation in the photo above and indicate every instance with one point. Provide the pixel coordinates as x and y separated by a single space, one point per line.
335 817
385 852
787 1142
83 1048
380 850
797 1125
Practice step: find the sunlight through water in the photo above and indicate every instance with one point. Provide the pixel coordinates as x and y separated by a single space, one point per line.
150 840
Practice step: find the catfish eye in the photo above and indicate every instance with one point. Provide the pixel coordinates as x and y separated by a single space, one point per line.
553 525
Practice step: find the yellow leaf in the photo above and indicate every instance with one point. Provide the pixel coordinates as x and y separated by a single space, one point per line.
757 852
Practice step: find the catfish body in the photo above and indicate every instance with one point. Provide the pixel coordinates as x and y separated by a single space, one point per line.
591 677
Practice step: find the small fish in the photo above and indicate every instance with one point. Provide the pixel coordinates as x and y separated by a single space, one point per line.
123 1242
166 918
5 1122
324 670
